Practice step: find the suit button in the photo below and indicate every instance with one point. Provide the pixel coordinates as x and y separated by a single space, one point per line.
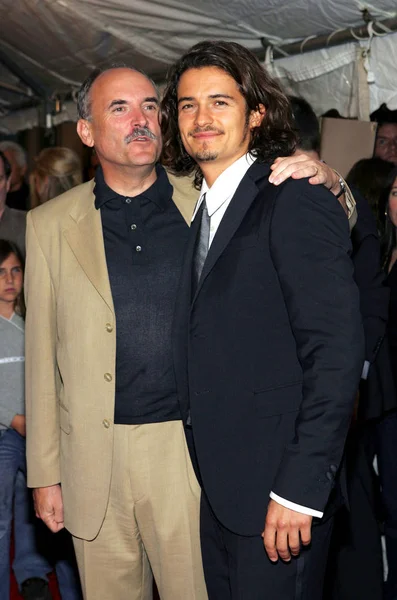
106 423
108 377
109 327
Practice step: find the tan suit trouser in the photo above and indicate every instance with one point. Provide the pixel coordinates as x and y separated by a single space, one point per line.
151 524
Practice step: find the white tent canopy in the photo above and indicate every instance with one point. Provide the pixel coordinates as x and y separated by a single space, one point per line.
47 47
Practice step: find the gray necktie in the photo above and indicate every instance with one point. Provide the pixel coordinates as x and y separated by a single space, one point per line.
202 244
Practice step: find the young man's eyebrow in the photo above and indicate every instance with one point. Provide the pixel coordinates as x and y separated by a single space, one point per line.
212 96
227 96
185 99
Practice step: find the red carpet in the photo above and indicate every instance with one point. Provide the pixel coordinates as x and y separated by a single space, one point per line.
14 588
53 587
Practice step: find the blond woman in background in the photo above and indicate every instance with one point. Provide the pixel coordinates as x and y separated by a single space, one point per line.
56 170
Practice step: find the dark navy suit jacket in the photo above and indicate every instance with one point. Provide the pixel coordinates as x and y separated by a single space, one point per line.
269 351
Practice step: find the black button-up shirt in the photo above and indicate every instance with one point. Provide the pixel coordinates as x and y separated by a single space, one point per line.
144 238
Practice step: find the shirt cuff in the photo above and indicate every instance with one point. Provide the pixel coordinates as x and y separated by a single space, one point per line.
350 203
297 507
366 366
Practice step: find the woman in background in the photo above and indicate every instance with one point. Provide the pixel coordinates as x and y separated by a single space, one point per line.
56 170
388 214
387 428
370 176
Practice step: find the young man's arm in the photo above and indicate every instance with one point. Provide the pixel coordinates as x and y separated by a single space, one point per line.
310 248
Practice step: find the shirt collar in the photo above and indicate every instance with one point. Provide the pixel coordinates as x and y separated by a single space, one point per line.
225 185
160 192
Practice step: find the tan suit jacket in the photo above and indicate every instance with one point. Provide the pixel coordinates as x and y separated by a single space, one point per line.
71 352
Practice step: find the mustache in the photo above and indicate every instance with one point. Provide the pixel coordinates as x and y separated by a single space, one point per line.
197 130
140 132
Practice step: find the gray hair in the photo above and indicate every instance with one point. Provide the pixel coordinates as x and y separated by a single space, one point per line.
84 93
19 152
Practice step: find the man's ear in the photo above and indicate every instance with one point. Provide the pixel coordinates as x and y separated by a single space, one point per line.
85 132
256 116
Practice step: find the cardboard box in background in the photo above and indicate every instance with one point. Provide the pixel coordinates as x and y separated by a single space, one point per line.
345 141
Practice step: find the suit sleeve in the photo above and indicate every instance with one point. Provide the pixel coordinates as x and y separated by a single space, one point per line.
310 247
42 412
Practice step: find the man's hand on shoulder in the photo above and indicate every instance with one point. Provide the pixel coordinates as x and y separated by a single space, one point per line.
300 166
285 531
49 506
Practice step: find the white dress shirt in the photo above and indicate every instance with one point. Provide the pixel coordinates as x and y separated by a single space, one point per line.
218 198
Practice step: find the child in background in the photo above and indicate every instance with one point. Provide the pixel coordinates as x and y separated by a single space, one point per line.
31 563
30 568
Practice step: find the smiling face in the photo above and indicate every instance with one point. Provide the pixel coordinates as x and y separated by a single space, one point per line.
124 123
11 281
214 121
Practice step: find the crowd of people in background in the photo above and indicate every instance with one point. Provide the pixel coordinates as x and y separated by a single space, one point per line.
356 562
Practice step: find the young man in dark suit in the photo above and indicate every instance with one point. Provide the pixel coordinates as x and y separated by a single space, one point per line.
269 341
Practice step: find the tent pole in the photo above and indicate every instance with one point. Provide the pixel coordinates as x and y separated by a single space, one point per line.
14 89
36 87
326 41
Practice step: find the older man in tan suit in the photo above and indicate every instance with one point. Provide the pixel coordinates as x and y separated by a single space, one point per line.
103 418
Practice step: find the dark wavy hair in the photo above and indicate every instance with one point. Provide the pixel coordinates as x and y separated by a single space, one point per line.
388 239
371 176
273 137
6 249
306 124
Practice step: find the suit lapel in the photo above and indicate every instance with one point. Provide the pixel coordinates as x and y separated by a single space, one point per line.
184 195
85 237
237 209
